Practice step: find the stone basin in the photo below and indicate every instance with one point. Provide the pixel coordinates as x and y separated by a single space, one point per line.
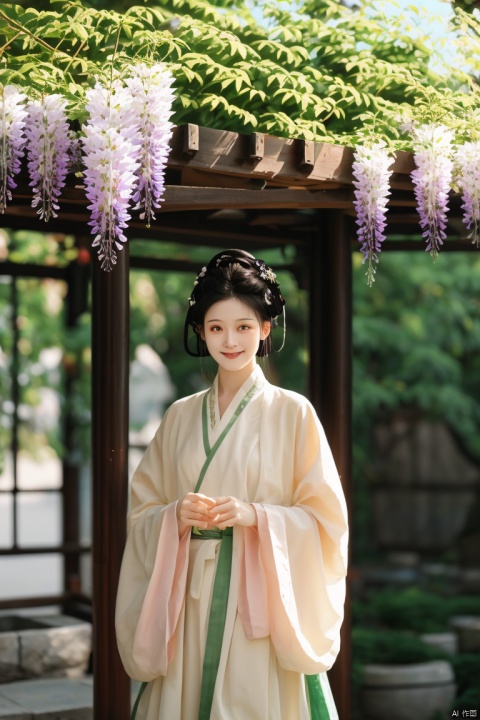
45 646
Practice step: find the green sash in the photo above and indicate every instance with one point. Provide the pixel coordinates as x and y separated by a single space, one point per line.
223 571
322 705
217 616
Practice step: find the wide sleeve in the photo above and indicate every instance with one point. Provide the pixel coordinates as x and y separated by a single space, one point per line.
292 578
153 574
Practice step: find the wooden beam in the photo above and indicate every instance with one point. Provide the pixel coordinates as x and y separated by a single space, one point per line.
31 270
181 197
196 198
221 230
448 246
110 376
167 265
294 162
182 227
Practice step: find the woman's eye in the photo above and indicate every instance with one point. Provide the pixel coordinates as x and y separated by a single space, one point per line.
244 327
215 328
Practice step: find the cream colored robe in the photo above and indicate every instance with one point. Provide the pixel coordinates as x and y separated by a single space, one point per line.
287 586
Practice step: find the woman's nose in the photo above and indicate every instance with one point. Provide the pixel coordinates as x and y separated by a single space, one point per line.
230 340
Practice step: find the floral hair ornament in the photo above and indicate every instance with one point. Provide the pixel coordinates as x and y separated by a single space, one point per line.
272 296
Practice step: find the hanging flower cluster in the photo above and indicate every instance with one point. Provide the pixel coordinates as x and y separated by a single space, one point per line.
125 149
110 144
152 96
371 180
12 139
432 178
438 163
49 147
467 162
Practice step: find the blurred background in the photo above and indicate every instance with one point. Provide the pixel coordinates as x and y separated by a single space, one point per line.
415 574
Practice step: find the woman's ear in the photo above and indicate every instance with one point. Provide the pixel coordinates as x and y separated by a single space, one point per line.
265 329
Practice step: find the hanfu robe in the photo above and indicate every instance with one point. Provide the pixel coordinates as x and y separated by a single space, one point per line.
287 585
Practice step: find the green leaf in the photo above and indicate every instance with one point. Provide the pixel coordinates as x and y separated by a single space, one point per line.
80 31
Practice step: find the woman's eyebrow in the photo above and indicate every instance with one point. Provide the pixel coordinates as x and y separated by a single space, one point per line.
237 320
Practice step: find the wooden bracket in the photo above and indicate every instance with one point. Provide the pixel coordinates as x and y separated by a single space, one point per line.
191 142
257 146
307 153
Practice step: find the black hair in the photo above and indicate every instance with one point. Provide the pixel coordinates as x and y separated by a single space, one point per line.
234 274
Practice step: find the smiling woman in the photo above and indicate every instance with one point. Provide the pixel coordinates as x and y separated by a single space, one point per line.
235 503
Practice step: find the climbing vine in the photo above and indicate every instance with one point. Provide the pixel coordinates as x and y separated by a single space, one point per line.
320 71
316 70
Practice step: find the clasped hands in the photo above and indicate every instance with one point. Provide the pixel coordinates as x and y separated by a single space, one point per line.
208 513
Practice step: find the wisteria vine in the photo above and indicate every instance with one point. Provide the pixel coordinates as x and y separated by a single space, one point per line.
432 179
152 97
49 148
12 139
371 172
124 145
110 143
467 162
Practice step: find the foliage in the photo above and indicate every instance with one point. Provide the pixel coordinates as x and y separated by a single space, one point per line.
464 605
467 672
40 317
391 648
410 609
416 336
416 341
414 609
316 70
466 5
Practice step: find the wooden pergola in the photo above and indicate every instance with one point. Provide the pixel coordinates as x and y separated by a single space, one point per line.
230 190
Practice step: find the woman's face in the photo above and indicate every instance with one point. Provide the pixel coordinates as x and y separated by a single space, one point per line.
232 333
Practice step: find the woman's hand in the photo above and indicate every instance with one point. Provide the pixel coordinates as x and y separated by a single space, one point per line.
194 510
229 511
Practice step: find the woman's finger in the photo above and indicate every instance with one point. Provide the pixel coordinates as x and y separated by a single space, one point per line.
204 499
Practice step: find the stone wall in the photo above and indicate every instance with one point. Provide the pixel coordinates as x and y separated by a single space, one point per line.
46 646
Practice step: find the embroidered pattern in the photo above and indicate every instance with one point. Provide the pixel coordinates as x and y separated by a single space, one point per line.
211 400
211 404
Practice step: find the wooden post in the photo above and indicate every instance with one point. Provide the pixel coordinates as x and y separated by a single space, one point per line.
78 278
110 371
331 384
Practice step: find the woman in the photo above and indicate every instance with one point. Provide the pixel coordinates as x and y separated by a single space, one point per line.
232 585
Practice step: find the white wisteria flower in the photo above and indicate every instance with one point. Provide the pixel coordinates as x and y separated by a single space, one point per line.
432 178
110 145
467 162
12 139
153 96
49 144
371 172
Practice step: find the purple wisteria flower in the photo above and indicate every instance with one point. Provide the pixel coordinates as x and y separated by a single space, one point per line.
371 180
467 162
153 96
12 139
111 146
432 147
49 143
